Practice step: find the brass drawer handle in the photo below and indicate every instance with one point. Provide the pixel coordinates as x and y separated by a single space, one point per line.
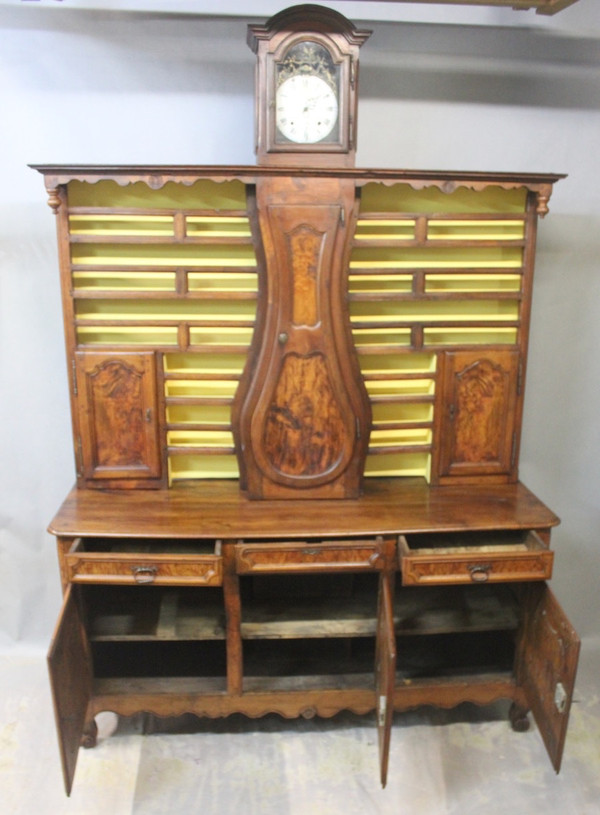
480 572
144 574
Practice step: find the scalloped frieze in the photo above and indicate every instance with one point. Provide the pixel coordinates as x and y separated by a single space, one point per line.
156 177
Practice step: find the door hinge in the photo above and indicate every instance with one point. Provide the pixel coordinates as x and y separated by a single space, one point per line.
561 697
342 217
513 452
520 379
79 457
74 376
357 422
382 710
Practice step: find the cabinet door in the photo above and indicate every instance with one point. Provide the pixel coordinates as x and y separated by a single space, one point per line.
302 422
70 668
385 672
478 425
548 664
117 411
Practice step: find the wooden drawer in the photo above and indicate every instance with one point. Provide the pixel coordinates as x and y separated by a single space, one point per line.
302 557
473 557
170 562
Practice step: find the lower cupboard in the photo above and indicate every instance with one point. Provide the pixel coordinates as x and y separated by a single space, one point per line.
309 644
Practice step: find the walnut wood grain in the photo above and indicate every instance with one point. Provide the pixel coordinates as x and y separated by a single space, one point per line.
117 411
132 569
176 697
547 666
301 416
478 431
295 558
472 564
217 510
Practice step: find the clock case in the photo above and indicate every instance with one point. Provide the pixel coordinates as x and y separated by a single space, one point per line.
271 43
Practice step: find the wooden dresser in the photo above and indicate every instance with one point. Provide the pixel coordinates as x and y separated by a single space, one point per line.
296 402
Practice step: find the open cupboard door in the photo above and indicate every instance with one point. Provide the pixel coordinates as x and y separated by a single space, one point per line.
69 664
385 671
549 658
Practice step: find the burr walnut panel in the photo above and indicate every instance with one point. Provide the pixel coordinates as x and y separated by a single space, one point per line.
117 412
90 561
286 557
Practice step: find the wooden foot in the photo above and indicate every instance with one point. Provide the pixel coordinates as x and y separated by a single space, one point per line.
518 718
90 735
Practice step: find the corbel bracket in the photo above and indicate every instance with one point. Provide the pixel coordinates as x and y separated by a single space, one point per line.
543 197
54 198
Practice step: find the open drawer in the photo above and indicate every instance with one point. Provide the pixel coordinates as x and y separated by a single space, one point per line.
139 561
473 557
276 557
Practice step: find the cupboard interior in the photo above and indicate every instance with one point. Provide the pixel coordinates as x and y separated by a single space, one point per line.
323 625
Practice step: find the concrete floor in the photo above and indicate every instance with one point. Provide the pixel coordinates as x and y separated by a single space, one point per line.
458 762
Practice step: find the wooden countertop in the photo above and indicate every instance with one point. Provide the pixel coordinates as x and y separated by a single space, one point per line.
217 509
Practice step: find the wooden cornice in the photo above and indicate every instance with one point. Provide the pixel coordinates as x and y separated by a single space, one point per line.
156 176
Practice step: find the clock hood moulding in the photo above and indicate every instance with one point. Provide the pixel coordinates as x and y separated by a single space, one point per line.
298 18
306 89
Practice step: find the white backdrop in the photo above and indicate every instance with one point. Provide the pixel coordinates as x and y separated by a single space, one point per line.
441 88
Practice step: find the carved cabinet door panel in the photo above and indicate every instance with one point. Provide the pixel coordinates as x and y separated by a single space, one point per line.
118 418
385 671
70 668
547 665
303 426
478 428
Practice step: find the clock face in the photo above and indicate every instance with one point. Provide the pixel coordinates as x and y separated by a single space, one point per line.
306 109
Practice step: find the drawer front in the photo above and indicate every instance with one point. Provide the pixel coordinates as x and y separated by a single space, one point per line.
280 558
160 570
426 568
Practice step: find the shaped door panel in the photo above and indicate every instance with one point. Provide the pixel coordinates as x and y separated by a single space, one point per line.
118 417
478 425
548 664
70 668
385 672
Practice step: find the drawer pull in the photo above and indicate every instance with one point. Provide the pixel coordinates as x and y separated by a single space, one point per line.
480 573
144 574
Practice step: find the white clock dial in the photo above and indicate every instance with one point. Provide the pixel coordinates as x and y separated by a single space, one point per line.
306 109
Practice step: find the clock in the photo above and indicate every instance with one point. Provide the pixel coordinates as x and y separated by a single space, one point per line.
306 87
307 110
307 103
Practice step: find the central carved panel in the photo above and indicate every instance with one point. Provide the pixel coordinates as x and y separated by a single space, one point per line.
304 432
